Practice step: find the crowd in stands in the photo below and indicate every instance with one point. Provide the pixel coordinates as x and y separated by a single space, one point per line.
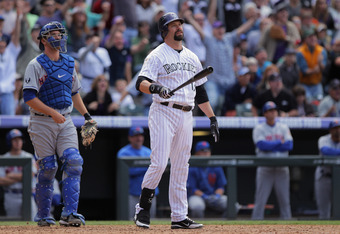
285 51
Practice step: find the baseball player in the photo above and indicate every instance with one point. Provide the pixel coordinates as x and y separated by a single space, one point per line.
136 174
170 120
272 139
329 145
11 177
206 185
51 89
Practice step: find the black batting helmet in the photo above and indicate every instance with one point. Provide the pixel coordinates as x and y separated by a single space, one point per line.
165 20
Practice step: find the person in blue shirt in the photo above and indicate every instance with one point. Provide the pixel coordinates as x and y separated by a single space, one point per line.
136 174
206 185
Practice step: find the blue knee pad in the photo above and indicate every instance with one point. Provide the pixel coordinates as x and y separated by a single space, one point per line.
44 188
72 169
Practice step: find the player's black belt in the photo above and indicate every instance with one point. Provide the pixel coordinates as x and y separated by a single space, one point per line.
176 106
49 115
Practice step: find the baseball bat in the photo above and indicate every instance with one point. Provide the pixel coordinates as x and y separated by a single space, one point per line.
208 70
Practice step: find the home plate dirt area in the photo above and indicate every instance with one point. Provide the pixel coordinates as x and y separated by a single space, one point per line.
277 229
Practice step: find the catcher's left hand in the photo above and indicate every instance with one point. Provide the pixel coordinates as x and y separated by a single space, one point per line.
214 128
88 132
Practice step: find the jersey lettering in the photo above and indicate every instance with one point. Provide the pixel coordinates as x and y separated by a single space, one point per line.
169 68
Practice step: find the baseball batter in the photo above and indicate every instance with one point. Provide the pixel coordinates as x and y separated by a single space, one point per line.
329 145
170 120
51 89
272 139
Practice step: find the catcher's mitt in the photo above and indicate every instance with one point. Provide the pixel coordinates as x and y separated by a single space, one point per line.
88 132
276 32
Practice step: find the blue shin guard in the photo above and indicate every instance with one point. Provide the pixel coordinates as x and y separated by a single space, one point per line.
44 188
72 169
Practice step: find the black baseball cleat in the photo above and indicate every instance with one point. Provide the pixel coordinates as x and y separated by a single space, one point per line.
186 224
73 220
142 217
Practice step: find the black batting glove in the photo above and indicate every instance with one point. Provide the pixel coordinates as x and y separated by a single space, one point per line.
162 91
214 128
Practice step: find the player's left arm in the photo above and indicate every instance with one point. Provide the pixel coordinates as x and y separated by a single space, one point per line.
79 104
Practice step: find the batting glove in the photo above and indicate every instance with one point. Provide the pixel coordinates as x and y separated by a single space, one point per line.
214 128
162 91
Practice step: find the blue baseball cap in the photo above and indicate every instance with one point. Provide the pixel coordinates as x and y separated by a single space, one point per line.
268 106
334 124
202 146
136 131
243 71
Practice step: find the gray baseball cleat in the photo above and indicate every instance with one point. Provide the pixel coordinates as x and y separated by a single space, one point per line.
73 220
186 224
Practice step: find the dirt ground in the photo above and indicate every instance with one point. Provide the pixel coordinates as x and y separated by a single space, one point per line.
122 229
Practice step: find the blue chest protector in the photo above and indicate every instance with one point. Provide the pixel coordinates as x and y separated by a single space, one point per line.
56 92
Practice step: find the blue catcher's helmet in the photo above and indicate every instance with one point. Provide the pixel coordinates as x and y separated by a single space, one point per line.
165 20
12 134
55 43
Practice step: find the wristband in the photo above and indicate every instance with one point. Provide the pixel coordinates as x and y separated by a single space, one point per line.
213 119
87 116
204 196
155 88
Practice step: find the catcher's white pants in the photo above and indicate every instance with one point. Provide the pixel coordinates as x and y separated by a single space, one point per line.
170 137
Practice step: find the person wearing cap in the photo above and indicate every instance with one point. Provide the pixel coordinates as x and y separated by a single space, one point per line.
9 51
240 96
312 60
272 139
304 108
219 54
252 65
136 149
11 177
281 35
330 104
285 101
333 70
206 185
49 11
329 146
289 69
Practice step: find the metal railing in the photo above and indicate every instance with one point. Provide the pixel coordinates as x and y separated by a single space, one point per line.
230 163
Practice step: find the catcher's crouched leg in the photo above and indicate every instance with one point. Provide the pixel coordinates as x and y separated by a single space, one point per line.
44 190
72 168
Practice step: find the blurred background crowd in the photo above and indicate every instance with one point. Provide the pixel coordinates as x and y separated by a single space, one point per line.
285 51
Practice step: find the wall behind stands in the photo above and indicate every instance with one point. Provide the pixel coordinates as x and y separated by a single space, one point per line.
97 197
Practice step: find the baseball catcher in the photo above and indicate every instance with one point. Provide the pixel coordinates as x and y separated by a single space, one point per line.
88 132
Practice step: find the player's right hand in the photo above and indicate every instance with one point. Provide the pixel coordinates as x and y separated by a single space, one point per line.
58 118
165 93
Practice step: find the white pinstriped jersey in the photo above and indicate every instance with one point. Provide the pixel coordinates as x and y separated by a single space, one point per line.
265 132
171 68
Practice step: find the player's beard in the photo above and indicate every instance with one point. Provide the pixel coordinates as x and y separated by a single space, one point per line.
178 38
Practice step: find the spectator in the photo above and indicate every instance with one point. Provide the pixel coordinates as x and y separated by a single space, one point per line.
264 84
333 70
11 177
50 12
254 36
251 63
9 51
334 10
239 98
104 8
304 108
30 47
272 139
330 105
140 46
155 36
120 96
93 61
219 49
232 14
206 185
329 146
99 101
120 56
323 37
262 61
283 99
77 29
322 14
294 8
281 35
289 69
311 59
136 174
145 10
8 12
